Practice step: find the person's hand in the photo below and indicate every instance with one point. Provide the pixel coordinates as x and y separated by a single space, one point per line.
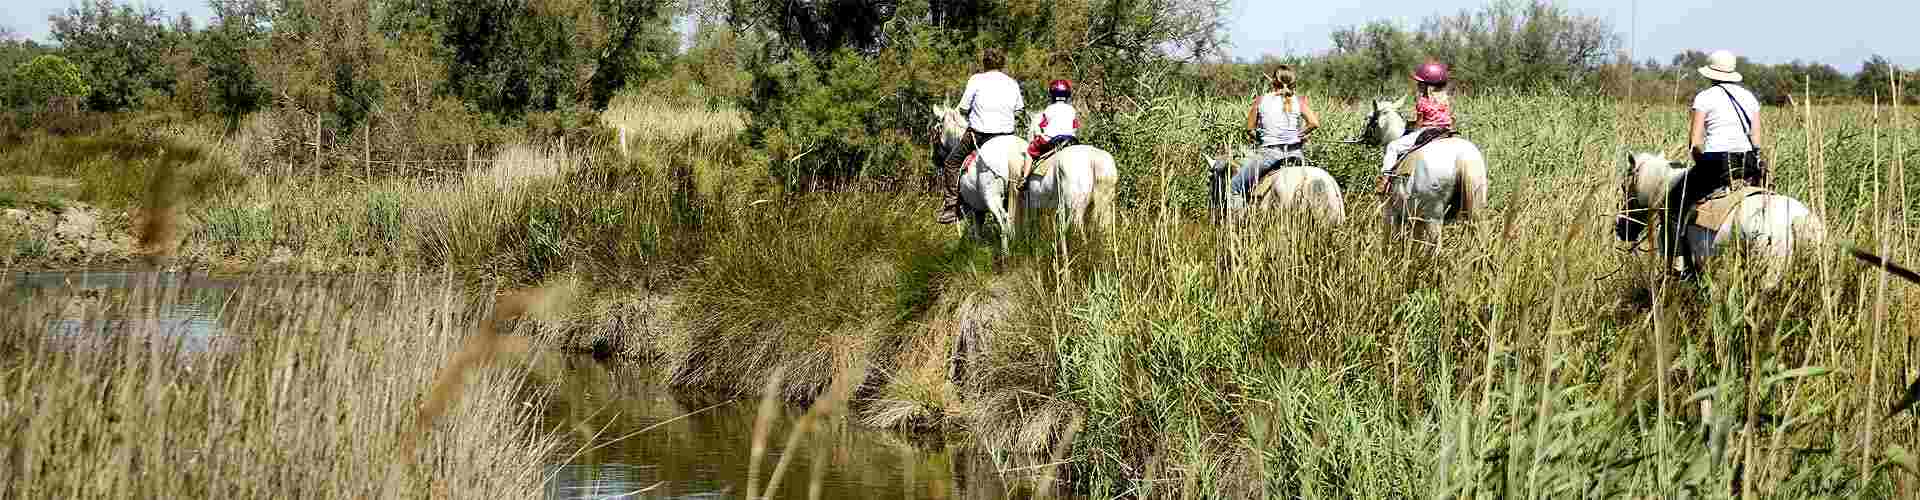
1381 187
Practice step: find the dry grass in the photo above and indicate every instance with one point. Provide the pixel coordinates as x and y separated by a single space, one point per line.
309 392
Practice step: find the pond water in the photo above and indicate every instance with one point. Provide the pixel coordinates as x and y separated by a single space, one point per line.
623 434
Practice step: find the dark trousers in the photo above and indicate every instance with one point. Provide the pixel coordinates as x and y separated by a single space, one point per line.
1709 173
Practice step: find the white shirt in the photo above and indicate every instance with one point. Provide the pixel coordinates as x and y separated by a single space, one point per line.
1059 119
1277 125
1724 131
991 101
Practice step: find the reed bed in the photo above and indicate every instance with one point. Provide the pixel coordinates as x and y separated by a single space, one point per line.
1527 353
308 389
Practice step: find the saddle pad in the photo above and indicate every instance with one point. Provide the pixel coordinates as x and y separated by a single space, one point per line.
1267 178
1426 137
1710 213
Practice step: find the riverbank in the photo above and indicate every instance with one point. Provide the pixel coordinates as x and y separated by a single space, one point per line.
1520 355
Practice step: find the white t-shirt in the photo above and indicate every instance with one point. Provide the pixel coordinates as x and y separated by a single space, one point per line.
1725 133
1059 119
1277 125
992 100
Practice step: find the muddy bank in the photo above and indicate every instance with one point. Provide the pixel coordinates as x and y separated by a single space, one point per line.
70 236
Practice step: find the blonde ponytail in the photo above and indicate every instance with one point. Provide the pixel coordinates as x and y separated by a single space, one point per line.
1283 80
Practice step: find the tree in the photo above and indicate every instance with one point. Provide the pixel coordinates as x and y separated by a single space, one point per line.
49 79
238 27
1875 78
119 47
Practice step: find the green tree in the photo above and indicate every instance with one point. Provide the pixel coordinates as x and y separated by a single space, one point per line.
47 78
1875 78
120 47
239 26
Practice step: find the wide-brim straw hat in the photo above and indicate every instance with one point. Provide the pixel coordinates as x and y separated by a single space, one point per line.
1720 67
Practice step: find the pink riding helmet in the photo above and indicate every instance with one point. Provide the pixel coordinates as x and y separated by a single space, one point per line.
1432 72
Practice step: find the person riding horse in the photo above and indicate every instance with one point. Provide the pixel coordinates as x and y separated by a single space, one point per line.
991 102
1433 110
1059 122
1279 121
1725 119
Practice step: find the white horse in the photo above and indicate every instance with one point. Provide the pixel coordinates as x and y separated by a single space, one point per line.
1073 181
1302 187
991 184
1443 181
1767 225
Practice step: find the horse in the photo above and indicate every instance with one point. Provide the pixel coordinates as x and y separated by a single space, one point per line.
1303 187
1073 181
1767 225
1440 182
990 182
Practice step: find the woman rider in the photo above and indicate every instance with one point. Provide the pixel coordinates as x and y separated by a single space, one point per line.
1280 120
1726 118
991 101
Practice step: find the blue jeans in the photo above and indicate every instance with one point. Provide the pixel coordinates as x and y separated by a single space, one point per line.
1250 170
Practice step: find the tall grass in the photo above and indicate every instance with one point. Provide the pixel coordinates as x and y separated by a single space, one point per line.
1526 354
308 390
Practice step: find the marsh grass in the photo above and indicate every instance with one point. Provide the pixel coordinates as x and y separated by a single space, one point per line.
306 391
1524 354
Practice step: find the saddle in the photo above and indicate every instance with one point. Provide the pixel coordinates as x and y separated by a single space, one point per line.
1427 136
1043 162
1265 184
1713 211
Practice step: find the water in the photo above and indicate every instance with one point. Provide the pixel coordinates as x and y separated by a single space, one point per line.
623 435
701 449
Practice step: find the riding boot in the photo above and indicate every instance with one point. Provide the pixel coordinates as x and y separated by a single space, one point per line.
950 180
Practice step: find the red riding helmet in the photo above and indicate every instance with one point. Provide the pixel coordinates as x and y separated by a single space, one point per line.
1060 90
1433 72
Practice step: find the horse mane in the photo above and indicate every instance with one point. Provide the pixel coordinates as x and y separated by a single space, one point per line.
1647 177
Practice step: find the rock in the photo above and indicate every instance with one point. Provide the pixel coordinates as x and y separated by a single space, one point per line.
77 224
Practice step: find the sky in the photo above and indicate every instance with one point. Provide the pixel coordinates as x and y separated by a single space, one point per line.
1842 33
1838 32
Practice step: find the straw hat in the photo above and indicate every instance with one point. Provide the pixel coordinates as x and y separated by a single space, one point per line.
1720 67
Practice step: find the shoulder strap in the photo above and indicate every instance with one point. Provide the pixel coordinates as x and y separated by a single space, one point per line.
1745 127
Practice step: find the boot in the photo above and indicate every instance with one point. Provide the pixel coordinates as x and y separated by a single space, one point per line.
950 208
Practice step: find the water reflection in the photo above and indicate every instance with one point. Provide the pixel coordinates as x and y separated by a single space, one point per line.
706 454
96 305
624 435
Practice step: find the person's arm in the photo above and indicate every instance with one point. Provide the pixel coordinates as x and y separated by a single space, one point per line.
1697 135
967 97
1313 119
1756 127
1253 116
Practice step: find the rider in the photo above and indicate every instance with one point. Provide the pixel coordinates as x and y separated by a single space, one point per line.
1280 121
991 101
1433 110
1059 123
1726 117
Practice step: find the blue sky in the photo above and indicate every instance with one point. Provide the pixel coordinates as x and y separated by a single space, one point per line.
1838 32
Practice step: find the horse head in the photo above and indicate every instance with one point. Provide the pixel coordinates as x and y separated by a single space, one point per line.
1640 183
1384 123
948 126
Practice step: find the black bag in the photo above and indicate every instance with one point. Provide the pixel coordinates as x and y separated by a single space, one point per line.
1752 167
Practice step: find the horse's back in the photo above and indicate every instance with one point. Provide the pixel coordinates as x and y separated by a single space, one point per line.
1311 188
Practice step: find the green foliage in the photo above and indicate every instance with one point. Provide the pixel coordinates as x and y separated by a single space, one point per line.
120 47
49 77
226 50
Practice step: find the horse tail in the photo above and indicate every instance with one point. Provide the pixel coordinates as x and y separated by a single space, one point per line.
1106 180
1470 183
1324 191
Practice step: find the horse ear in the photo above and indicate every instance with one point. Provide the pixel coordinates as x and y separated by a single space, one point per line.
1402 101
